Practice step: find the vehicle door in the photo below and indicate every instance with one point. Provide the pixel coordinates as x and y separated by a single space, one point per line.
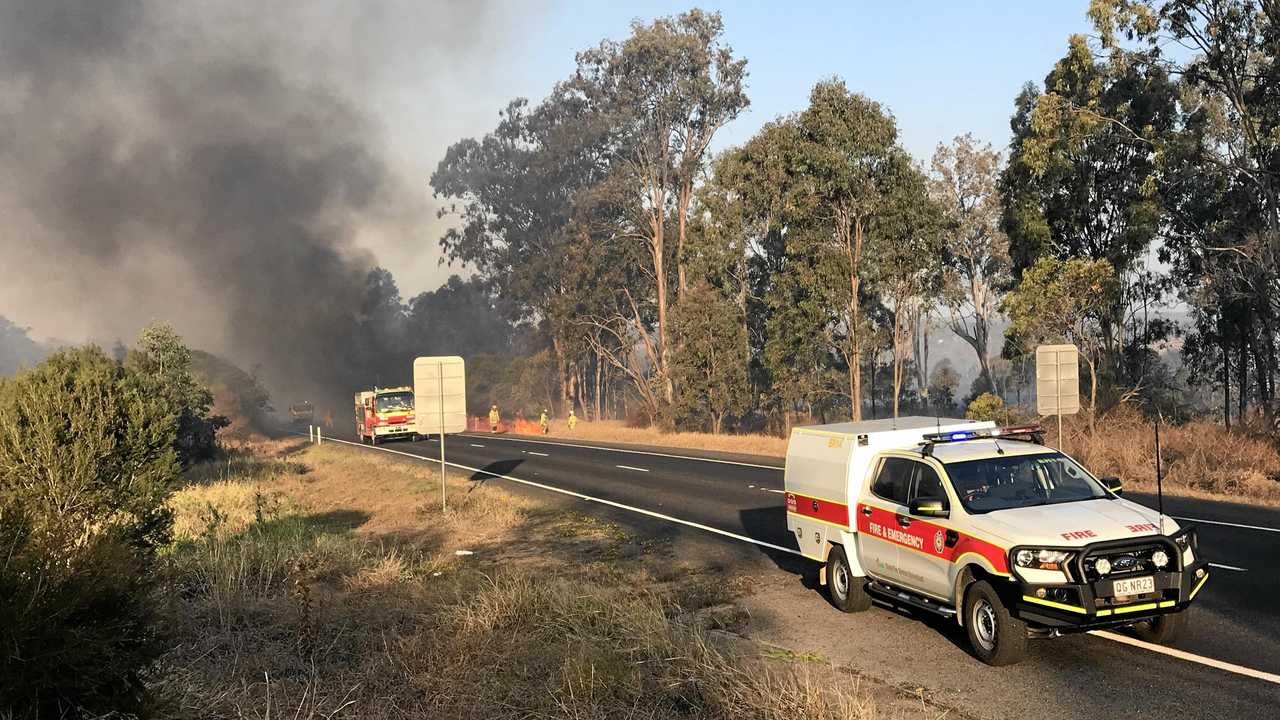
879 507
925 557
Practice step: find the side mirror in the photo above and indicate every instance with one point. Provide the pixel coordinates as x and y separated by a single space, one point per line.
1113 484
929 507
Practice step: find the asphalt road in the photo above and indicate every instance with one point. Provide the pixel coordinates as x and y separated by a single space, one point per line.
1236 619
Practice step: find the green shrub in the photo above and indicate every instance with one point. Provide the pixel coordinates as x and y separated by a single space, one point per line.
86 462
988 406
164 365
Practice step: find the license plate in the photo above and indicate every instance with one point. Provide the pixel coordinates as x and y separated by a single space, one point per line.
1133 586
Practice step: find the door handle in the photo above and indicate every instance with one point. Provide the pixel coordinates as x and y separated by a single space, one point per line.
866 511
904 521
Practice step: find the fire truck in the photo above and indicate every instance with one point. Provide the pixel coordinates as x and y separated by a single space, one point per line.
985 526
384 413
301 413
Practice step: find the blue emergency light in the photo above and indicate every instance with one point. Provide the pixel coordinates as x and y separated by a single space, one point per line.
1032 433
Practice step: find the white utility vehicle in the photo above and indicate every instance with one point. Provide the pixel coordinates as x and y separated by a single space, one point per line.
985 525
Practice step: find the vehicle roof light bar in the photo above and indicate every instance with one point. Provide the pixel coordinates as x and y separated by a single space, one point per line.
1032 433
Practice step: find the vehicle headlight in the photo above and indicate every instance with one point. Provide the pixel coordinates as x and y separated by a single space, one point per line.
1042 559
1160 558
1103 566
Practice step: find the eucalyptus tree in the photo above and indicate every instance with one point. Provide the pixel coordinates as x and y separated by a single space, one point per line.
965 183
663 93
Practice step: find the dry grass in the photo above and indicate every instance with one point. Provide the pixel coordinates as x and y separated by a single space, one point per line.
323 582
620 432
1200 459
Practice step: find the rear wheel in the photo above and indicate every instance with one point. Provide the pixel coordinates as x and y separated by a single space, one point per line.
848 591
996 636
1162 629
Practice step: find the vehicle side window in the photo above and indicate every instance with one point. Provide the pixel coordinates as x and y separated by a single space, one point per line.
927 485
894 481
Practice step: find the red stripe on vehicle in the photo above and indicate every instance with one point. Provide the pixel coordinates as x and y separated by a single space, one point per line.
929 538
832 512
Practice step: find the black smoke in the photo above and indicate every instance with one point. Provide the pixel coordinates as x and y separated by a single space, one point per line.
202 164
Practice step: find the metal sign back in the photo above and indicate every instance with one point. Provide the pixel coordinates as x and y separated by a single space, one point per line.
1057 380
440 394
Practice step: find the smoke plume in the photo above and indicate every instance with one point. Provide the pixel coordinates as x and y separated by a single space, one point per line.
223 167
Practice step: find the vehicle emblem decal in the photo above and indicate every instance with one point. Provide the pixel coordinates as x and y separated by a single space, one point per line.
939 542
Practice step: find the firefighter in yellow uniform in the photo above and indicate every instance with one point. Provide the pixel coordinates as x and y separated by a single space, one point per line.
493 419
544 422
573 420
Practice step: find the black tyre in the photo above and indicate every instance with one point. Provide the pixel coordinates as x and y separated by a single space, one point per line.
997 638
848 591
1162 629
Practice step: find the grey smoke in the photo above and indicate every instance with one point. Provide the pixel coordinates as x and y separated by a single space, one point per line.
214 165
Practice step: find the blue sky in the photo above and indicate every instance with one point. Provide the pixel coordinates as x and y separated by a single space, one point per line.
942 68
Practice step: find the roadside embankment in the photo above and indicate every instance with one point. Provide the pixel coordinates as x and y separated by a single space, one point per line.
326 582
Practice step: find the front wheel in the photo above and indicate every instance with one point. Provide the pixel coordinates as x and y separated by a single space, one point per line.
848 591
996 636
1162 629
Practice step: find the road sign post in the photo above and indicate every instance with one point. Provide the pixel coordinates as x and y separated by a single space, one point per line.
440 401
1058 382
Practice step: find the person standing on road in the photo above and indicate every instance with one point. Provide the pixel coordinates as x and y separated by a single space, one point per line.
493 419
544 422
573 420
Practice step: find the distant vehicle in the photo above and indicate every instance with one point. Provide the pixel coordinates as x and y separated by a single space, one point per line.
985 525
301 413
384 413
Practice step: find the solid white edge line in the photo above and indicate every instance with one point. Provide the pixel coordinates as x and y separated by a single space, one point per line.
580 496
1229 524
1190 657
635 452
1172 652
628 467
1229 567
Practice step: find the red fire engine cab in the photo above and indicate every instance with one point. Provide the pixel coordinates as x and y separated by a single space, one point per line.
384 413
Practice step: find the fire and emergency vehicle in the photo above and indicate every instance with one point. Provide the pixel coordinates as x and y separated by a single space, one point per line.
985 525
384 413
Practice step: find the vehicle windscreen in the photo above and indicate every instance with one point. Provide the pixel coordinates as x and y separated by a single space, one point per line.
1001 483
395 402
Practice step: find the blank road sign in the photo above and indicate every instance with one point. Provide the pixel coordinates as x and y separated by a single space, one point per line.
440 394
1057 380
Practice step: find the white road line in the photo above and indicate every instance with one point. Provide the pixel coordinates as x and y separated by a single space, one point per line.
580 496
628 467
530 452
780 492
1172 652
643 452
1229 567
1229 524
1190 657
475 445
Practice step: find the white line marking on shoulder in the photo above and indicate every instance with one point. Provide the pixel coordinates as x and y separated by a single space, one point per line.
1190 657
580 496
1229 567
640 452
530 452
475 445
780 492
1228 524
628 467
